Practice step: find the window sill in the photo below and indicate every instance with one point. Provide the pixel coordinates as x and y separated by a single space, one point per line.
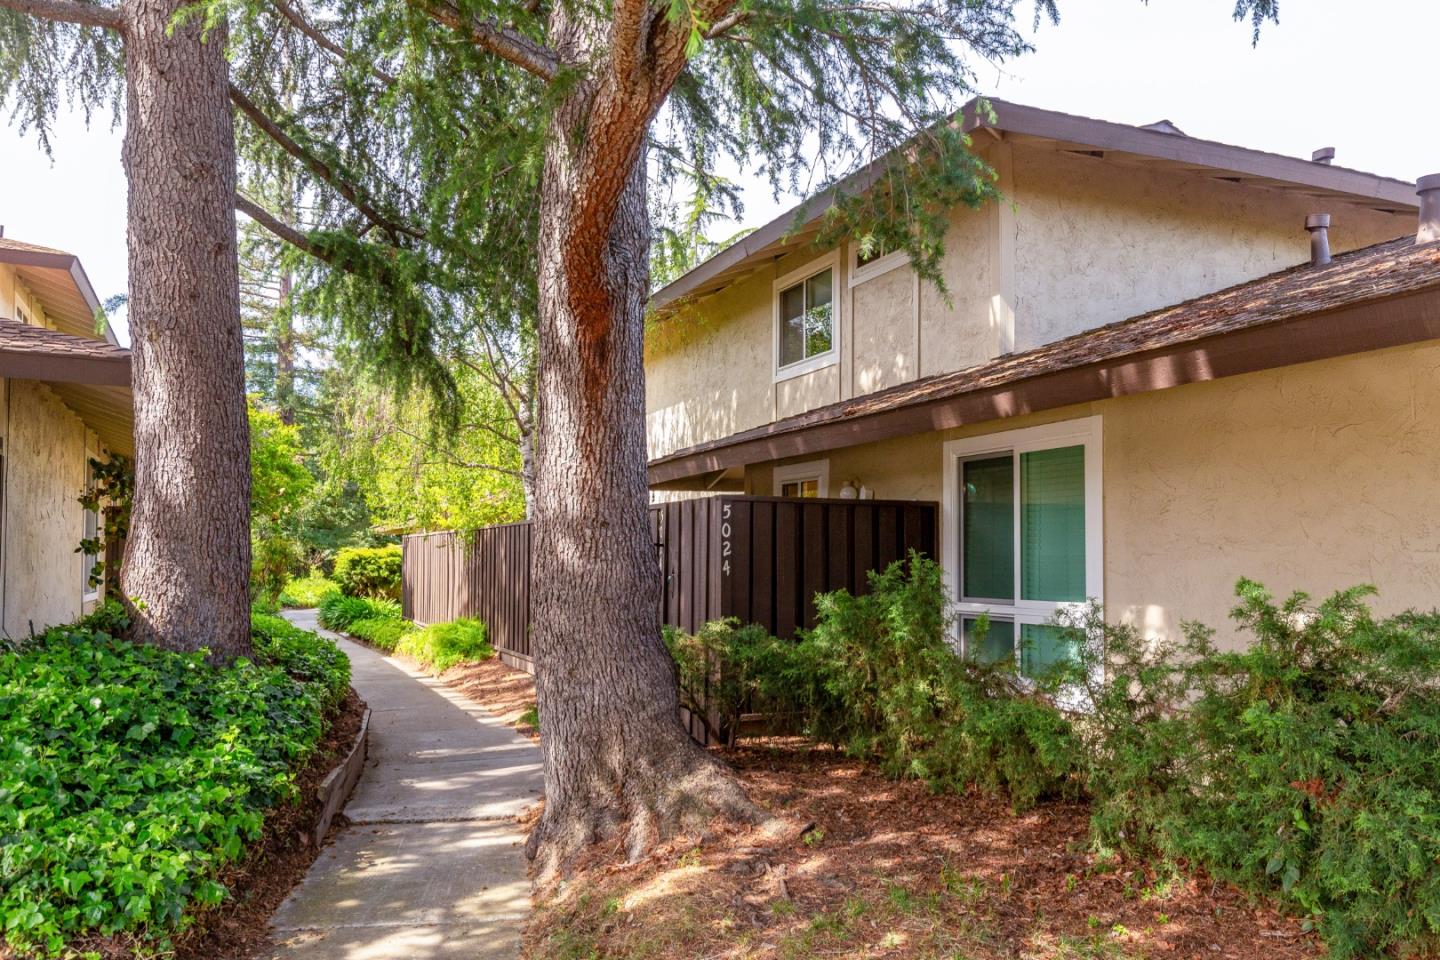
807 366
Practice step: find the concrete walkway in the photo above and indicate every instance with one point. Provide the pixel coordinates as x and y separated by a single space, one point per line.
431 865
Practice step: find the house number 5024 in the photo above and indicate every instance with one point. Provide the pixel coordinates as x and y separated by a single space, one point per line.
725 539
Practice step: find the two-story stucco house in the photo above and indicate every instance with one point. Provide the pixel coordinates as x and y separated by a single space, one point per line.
64 398
1142 387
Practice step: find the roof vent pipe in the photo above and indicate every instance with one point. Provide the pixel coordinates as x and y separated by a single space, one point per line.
1319 226
1429 190
1324 155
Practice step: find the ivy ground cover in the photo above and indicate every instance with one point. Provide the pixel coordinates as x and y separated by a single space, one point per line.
130 775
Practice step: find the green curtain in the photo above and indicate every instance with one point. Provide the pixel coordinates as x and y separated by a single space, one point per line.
988 529
1052 524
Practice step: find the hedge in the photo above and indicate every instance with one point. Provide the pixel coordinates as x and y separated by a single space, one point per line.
369 572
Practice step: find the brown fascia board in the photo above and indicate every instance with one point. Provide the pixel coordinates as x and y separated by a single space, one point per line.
1062 127
50 368
71 265
1406 319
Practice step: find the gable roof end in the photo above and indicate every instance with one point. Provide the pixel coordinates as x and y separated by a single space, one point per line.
1161 142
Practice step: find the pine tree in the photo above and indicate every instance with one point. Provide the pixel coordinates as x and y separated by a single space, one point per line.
187 558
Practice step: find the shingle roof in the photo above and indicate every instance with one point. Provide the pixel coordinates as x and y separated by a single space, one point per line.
37 353
20 246
1380 272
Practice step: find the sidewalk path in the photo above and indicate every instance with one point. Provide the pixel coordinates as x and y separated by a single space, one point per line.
431 865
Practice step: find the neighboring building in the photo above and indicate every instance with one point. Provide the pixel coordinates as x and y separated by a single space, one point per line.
64 398
1094 419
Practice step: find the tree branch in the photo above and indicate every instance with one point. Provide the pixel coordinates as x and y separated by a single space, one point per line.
317 166
626 19
70 11
284 231
505 42
298 21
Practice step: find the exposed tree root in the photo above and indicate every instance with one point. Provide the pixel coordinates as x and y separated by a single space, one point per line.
643 807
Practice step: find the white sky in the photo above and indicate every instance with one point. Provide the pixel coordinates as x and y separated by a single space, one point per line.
1327 75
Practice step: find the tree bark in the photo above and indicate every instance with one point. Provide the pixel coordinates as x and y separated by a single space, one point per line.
616 756
187 562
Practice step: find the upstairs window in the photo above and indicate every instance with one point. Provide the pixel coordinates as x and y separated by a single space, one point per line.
806 314
881 258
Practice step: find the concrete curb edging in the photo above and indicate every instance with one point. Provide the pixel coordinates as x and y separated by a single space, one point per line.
335 789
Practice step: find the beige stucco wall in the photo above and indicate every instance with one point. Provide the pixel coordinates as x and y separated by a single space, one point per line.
45 467
1078 242
1315 477
1097 241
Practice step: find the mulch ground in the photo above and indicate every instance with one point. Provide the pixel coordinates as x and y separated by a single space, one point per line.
887 869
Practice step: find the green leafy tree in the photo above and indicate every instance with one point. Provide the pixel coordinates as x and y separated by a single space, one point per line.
280 486
490 163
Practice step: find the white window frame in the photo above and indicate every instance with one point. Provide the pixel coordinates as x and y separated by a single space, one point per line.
859 273
817 470
1086 432
830 261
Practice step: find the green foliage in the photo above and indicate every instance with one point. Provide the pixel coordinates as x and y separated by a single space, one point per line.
279 481
338 611
382 632
369 572
878 677
411 475
109 494
280 485
441 646
721 670
1305 766
308 591
130 775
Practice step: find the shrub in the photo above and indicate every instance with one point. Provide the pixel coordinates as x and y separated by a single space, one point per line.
308 591
338 612
382 632
440 646
878 677
272 557
132 774
721 669
369 572
1306 766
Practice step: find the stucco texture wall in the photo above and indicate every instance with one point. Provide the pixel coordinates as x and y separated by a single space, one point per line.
1314 477
1097 241
1077 242
44 474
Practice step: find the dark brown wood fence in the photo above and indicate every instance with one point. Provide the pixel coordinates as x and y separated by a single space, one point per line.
761 559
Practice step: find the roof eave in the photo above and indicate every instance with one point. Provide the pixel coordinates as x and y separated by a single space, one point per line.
1372 325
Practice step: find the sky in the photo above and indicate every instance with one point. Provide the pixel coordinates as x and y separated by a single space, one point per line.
1331 73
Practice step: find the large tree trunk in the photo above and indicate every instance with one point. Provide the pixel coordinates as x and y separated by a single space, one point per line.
616 756
187 562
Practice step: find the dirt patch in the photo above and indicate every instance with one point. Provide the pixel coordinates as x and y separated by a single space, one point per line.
503 690
891 870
